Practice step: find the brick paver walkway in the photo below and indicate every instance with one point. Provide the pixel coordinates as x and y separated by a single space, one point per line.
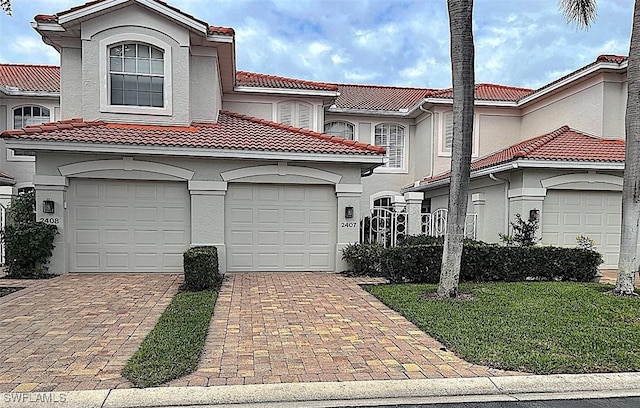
76 332
305 327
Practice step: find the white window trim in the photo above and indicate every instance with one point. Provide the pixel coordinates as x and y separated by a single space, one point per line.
11 154
295 112
105 105
405 153
441 135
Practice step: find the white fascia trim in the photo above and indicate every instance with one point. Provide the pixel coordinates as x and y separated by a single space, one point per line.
179 17
283 91
578 75
477 102
11 91
47 26
579 165
190 151
220 38
368 112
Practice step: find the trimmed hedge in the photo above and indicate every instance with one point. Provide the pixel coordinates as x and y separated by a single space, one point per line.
201 268
488 263
363 259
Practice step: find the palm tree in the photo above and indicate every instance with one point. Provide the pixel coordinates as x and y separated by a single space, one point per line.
6 6
583 12
462 71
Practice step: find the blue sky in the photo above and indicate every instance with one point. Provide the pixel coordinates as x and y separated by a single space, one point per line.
523 43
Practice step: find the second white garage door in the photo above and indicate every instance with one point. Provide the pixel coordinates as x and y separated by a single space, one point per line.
127 226
280 227
596 214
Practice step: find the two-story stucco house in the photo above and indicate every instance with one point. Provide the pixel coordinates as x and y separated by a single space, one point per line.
159 143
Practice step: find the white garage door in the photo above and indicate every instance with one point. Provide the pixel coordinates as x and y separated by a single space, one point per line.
127 226
280 227
596 214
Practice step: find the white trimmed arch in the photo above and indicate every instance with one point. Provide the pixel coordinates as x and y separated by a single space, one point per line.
281 169
582 181
126 164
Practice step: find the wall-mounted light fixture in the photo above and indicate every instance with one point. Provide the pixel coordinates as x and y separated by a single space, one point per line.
48 207
348 212
534 214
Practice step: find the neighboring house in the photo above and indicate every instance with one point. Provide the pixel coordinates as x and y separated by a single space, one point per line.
176 148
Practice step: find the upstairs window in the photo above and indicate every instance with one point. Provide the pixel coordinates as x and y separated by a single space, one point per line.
136 75
30 115
392 137
446 135
295 113
340 129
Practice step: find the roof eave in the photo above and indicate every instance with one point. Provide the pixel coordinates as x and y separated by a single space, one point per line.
369 112
19 92
90 147
477 102
571 78
285 91
151 4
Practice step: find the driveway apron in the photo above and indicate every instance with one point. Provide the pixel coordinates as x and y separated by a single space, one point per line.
76 331
307 327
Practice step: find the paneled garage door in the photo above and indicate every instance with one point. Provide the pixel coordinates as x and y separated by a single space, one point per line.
597 214
127 226
280 227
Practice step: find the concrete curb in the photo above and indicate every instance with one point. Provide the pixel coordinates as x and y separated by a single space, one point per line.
355 393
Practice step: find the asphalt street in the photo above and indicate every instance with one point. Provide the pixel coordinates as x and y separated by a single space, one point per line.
632 402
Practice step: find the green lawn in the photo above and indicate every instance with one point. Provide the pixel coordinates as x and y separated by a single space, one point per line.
173 347
538 327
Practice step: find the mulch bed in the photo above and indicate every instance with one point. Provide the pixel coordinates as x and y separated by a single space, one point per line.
6 291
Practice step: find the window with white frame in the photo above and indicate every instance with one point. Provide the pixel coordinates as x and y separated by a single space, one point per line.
136 75
391 136
30 115
295 113
446 135
339 128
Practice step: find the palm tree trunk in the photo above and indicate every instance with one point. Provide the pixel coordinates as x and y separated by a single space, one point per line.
627 265
462 60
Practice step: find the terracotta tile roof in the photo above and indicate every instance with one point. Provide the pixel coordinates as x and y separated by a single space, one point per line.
53 18
490 92
611 58
253 79
563 144
232 132
30 77
379 98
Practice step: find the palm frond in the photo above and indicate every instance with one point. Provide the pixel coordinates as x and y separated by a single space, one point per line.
580 12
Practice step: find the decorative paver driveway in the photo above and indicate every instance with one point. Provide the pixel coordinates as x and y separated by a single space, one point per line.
76 332
305 327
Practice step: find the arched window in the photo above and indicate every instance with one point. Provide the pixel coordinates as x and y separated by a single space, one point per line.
340 129
30 115
391 136
136 75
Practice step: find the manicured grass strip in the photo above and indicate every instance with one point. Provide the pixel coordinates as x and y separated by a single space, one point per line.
174 345
538 327
5 291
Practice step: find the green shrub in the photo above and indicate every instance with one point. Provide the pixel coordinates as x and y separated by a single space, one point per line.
363 259
410 240
524 232
201 268
491 263
28 243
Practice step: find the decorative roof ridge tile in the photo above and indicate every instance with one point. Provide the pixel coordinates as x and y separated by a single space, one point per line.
330 87
323 136
53 126
412 88
17 64
222 30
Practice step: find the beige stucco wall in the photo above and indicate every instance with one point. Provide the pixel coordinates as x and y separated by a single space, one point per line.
614 105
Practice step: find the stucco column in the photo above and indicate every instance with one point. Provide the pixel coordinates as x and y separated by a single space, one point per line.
207 216
524 200
54 188
348 228
414 212
478 201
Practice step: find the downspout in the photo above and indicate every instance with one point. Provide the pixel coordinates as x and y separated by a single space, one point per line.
507 185
433 136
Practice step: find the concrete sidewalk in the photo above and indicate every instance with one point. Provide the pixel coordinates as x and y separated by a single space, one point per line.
354 393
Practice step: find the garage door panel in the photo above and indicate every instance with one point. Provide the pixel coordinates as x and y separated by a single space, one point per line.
596 214
288 226
128 226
